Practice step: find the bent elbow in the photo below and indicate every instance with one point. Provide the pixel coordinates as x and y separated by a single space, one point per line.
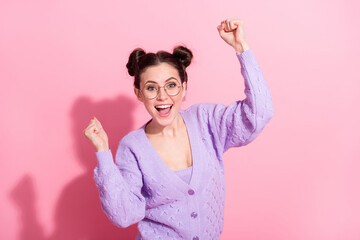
125 217
262 120
266 116
126 221
270 113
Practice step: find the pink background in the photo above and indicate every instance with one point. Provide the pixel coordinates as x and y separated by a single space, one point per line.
61 62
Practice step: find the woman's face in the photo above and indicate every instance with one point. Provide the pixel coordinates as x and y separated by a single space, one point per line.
163 108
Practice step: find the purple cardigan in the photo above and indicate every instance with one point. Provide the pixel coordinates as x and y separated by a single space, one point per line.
140 187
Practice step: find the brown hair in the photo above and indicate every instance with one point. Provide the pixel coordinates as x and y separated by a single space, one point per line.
139 61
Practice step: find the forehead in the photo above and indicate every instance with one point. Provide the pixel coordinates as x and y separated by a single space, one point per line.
159 73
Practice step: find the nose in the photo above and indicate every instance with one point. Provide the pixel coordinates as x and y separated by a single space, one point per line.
162 94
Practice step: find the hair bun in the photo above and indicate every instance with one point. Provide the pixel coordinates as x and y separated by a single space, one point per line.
183 54
133 62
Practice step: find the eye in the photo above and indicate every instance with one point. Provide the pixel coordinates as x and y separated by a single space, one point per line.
150 88
171 85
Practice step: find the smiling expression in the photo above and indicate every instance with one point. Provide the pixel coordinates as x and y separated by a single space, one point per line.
163 108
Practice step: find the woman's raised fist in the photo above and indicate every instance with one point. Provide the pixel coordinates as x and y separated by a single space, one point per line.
232 32
97 135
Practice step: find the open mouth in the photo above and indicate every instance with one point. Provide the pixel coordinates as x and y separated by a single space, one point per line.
164 110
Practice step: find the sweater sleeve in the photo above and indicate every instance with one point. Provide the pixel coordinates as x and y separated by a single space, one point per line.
119 186
242 121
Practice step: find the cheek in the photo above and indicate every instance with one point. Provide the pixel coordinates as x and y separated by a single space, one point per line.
149 105
179 99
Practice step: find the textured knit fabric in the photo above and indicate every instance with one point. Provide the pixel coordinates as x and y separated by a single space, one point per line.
140 187
184 174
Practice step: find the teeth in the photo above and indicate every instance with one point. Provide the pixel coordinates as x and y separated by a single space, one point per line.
163 106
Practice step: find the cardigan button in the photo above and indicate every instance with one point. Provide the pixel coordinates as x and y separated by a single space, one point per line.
194 215
191 192
196 238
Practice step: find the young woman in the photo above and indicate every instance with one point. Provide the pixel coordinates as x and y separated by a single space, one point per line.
168 175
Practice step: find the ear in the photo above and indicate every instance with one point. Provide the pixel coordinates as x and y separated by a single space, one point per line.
184 89
138 94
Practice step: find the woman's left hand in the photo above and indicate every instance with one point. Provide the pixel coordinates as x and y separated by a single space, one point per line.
232 32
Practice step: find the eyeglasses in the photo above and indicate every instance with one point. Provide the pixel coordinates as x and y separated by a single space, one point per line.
151 90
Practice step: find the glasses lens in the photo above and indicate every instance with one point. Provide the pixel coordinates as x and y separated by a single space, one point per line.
172 88
150 90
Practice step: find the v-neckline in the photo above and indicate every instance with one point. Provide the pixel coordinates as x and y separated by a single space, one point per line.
162 163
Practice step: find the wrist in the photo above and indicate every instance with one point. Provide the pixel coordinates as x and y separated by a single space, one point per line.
241 47
102 149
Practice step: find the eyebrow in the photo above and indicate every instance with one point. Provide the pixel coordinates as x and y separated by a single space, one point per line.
151 81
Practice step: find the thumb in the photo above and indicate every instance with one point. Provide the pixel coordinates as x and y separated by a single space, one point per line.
220 29
221 26
97 123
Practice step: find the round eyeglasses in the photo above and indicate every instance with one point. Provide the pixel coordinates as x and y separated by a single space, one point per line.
151 90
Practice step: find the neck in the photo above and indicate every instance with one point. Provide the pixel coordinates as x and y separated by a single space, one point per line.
168 131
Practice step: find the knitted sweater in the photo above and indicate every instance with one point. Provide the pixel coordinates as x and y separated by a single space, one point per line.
140 187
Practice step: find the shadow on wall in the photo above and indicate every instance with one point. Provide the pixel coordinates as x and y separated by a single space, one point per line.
78 213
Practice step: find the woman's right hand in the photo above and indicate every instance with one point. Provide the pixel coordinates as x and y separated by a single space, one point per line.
97 135
232 32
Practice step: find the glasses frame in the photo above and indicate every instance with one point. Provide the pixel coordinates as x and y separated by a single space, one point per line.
158 91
